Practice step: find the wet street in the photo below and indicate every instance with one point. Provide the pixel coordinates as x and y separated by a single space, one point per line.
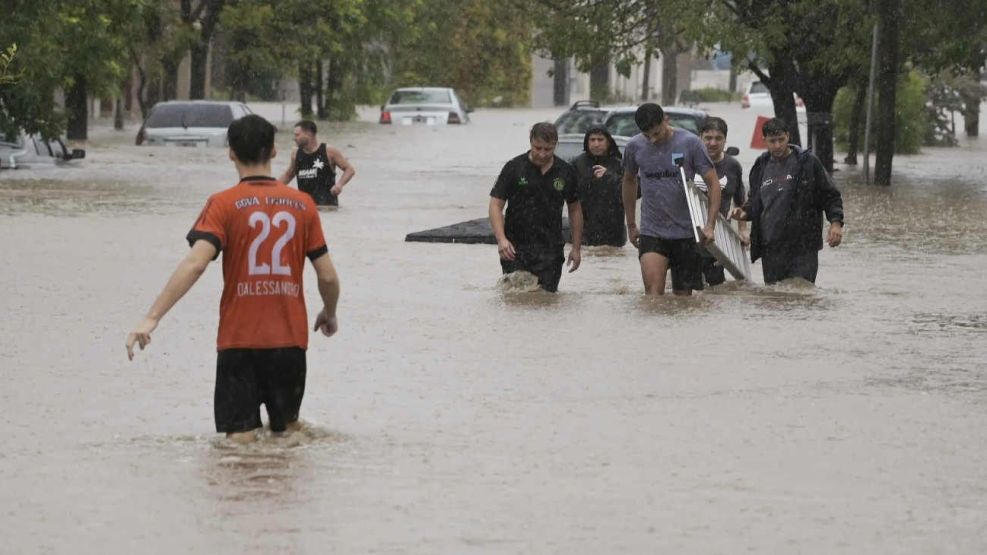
450 417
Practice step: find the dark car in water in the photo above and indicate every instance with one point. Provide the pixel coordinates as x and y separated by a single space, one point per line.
190 123
619 120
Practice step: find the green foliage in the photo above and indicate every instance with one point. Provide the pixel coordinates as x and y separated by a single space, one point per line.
708 94
58 42
252 65
6 58
478 47
912 123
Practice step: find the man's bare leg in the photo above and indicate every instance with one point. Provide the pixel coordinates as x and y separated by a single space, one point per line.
654 270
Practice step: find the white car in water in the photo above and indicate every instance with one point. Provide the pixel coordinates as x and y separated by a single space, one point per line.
757 95
190 123
29 151
424 106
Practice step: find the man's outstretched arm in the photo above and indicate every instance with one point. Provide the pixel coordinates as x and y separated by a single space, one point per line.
329 291
182 279
289 172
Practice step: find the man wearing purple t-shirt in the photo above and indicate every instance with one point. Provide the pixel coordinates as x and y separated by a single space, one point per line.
666 240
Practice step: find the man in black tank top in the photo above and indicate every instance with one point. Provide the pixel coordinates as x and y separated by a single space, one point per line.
314 164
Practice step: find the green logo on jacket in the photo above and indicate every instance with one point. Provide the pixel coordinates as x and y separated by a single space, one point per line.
522 182
559 184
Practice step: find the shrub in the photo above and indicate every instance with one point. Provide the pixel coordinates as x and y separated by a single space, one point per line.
707 94
912 123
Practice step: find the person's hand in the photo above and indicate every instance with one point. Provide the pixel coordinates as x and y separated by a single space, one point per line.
575 257
336 189
745 239
506 250
140 336
738 214
835 235
634 235
598 171
708 236
328 325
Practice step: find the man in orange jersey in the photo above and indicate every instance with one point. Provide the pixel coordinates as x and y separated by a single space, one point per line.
265 231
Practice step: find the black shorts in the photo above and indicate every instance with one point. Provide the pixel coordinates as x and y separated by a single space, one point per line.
684 260
544 262
322 195
248 378
781 264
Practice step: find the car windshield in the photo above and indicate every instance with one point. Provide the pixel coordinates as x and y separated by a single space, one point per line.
578 121
421 97
623 123
567 150
191 115
758 87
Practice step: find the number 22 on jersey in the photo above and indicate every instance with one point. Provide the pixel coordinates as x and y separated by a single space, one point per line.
282 222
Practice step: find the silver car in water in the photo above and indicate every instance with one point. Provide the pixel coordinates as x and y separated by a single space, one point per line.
190 123
29 151
424 106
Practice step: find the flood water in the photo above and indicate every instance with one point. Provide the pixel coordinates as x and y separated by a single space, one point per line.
448 416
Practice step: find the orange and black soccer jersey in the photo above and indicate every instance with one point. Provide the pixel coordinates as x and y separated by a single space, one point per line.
264 230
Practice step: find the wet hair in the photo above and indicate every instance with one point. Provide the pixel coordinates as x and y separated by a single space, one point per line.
648 116
714 123
774 127
251 138
612 148
307 125
544 131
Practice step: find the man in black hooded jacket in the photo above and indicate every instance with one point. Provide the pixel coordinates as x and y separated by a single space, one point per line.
600 171
790 191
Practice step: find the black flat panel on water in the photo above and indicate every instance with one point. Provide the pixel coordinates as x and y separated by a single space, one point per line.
476 231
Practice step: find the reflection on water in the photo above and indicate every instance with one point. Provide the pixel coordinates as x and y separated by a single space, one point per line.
274 466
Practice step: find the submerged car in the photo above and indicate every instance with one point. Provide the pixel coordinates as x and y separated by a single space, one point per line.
424 106
26 151
570 145
757 95
190 123
619 121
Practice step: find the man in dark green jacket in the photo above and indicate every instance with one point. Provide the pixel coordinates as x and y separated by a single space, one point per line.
790 192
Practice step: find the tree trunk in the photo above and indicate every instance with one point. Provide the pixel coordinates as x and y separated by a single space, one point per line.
888 14
118 114
819 94
305 90
169 81
856 122
781 85
669 76
199 65
560 82
77 108
599 81
646 78
733 78
971 116
320 98
128 92
335 110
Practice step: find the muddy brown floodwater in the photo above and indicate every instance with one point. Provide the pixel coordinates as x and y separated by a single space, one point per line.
450 417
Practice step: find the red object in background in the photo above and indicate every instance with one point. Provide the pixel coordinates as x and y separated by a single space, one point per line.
385 117
757 140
